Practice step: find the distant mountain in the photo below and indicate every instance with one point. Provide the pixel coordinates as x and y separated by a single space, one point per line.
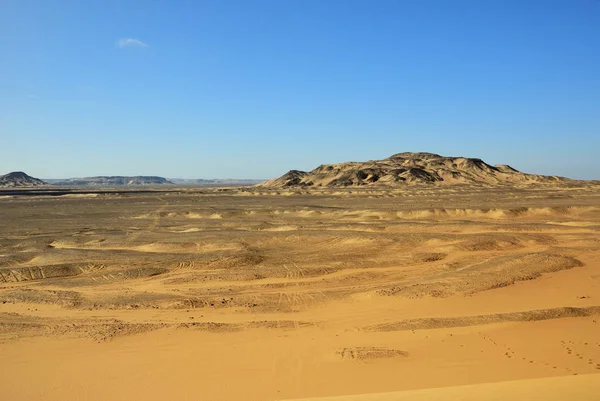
150 180
19 179
214 182
408 169
111 181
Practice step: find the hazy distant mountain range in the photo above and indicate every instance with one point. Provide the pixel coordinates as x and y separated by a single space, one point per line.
147 180
110 181
20 179
216 181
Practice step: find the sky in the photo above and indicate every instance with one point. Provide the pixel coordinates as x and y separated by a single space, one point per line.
254 88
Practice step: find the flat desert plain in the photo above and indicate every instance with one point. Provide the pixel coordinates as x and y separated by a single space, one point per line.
255 294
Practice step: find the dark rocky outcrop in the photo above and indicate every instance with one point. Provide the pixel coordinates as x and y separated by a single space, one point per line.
408 169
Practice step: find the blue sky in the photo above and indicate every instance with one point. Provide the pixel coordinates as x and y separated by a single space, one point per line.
251 89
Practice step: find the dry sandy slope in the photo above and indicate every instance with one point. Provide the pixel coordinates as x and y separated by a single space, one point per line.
582 388
238 295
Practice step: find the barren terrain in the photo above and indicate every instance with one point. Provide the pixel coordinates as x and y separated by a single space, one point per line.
242 294
410 168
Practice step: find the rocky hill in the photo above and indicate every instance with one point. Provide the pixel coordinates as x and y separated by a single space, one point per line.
19 179
113 181
408 169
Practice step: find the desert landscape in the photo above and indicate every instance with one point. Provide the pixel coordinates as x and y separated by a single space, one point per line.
416 277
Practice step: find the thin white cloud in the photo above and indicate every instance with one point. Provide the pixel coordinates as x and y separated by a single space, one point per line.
130 42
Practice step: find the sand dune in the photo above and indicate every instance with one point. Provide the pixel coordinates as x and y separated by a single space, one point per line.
583 388
531 315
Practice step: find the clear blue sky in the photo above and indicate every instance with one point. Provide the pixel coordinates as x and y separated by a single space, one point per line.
251 89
